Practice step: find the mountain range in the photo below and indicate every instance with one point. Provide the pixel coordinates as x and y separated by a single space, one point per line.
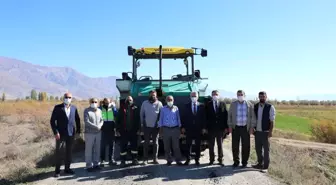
18 78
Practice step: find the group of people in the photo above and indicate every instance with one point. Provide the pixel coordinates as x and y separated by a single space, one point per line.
104 122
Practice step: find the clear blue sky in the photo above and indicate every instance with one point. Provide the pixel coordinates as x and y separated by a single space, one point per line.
285 47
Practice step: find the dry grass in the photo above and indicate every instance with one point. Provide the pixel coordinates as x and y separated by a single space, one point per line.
300 166
324 131
27 145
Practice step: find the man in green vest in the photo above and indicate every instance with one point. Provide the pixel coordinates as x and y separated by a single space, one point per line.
109 114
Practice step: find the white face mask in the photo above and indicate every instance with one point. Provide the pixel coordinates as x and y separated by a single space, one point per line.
94 105
67 101
112 104
241 98
215 98
170 103
193 99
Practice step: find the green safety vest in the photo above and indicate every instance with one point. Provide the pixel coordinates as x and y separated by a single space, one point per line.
107 114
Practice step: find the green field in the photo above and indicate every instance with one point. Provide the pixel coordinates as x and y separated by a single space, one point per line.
293 123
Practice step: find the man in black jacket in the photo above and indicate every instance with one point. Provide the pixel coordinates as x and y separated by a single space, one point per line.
217 126
128 127
193 125
65 122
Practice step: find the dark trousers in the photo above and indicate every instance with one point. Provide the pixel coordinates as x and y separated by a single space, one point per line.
262 144
241 133
189 138
216 135
151 133
132 137
108 140
59 153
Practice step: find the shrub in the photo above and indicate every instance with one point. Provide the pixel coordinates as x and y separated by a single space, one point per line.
324 131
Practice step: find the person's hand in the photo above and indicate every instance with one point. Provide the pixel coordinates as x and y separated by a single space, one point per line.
160 131
204 131
226 131
117 133
57 136
230 130
269 134
183 130
251 131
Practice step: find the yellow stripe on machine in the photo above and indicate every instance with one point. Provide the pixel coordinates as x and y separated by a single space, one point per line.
165 50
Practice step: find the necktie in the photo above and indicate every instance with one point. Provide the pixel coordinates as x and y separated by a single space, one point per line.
216 107
195 108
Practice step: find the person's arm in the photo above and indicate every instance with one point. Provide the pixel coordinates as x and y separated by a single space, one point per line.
136 118
203 115
230 125
78 125
87 121
160 123
142 114
101 120
225 116
272 118
178 117
53 120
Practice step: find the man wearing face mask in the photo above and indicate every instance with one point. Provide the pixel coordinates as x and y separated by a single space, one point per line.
128 125
109 113
240 121
217 126
263 127
149 112
193 125
170 124
65 122
93 121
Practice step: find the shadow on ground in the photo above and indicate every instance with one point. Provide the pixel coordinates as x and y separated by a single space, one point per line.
161 171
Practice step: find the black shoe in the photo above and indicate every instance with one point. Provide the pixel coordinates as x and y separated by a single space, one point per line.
57 174
97 168
197 163
244 165
169 163
69 172
258 166
211 162
122 164
90 169
179 163
235 165
135 162
220 162
155 161
112 163
187 162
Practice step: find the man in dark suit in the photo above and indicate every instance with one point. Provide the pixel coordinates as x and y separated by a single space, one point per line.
217 126
65 122
193 125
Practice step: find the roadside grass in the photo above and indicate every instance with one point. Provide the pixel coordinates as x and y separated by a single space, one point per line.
297 166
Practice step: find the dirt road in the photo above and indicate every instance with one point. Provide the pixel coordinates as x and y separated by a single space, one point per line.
163 174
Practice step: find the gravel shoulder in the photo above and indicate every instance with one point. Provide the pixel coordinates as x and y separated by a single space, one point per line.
162 174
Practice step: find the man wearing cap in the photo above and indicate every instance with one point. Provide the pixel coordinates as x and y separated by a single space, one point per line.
109 113
263 128
149 112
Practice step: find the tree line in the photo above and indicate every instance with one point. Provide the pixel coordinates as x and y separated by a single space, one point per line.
290 102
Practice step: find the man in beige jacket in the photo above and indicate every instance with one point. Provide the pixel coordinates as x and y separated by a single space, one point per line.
240 120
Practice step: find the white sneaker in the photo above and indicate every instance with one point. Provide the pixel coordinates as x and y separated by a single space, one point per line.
264 170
